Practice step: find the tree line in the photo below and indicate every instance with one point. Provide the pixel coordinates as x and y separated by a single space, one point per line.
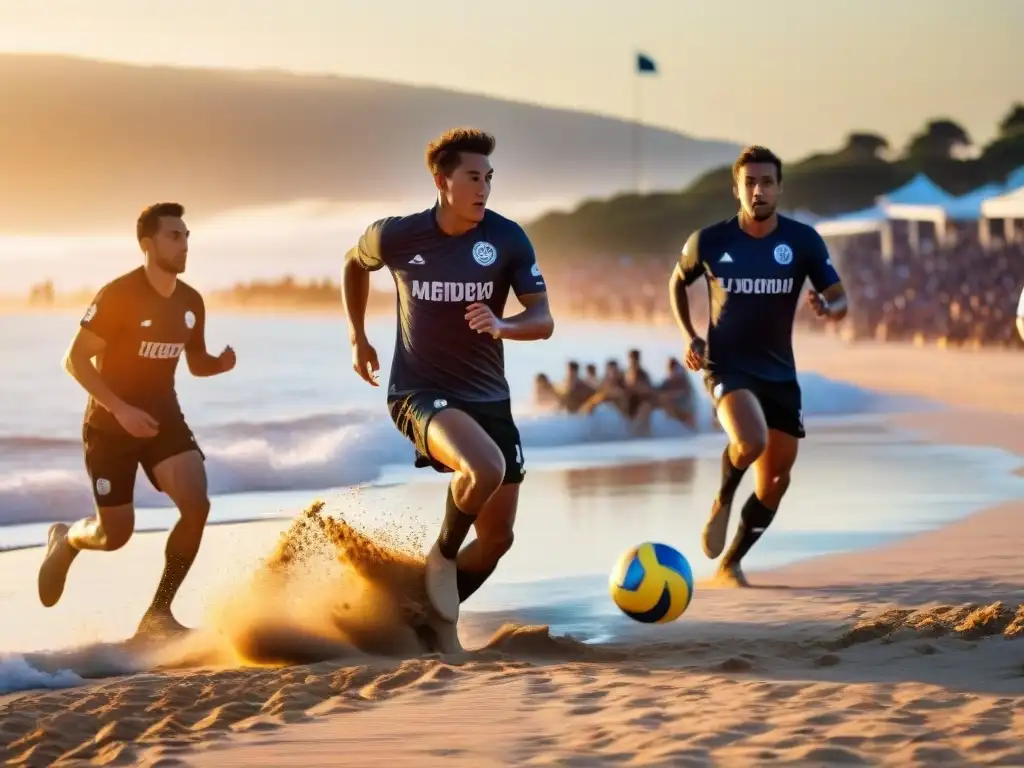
826 184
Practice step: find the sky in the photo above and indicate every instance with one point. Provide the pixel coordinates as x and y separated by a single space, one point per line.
796 75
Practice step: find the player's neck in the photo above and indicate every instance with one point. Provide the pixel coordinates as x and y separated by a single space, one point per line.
451 224
163 282
756 228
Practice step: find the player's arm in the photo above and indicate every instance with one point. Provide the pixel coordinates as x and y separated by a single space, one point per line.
365 257
535 322
825 279
687 271
200 361
100 324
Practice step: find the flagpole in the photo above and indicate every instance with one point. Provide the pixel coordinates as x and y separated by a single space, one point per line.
636 128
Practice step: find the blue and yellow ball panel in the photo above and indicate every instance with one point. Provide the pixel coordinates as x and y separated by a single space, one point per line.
652 583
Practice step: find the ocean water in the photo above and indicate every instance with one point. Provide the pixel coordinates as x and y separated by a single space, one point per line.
293 416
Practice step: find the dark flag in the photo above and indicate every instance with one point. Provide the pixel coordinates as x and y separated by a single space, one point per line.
645 64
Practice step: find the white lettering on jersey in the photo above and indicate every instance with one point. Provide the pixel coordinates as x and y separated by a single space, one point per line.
453 293
159 350
760 285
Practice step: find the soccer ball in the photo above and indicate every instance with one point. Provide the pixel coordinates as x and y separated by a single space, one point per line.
652 583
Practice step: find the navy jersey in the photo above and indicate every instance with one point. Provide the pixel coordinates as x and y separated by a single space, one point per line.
145 335
437 276
754 286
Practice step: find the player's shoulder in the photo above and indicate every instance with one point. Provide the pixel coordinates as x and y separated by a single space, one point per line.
707 238
405 225
124 285
503 228
191 295
798 231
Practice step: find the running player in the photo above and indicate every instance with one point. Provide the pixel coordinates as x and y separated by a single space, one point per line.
453 266
755 265
137 327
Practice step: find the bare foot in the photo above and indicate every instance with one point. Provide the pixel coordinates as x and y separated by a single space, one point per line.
53 573
717 526
442 588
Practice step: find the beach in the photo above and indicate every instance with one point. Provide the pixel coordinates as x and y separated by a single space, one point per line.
904 652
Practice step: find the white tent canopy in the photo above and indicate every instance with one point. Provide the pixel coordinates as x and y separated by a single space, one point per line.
919 191
1007 206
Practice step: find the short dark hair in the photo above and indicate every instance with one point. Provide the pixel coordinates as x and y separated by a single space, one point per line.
756 154
573 365
148 223
444 154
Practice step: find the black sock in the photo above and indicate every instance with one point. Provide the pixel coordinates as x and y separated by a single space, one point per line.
731 476
175 570
754 520
470 581
454 529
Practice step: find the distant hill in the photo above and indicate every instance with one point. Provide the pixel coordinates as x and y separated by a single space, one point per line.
825 184
84 144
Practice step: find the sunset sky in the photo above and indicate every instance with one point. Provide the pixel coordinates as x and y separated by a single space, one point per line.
795 74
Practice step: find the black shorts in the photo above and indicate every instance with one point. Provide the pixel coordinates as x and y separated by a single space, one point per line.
112 459
413 413
781 401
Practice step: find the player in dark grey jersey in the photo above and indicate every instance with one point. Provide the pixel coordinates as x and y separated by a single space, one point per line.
137 328
454 265
755 265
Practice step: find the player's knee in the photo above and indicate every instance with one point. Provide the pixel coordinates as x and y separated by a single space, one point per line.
115 534
780 483
195 510
486 475
747 449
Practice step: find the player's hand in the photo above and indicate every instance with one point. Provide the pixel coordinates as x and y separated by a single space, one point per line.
136 422
818 303
695 354
226 359
483 320
364 361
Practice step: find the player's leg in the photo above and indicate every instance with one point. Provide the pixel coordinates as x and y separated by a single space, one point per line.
478 560
495 523
742 418
782 410
111 462
175 466
455 439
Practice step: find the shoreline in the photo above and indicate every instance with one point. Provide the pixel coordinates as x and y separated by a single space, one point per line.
905 653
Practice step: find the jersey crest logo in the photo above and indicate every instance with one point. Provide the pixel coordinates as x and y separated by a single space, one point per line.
484 253
783 254
535 270
190 319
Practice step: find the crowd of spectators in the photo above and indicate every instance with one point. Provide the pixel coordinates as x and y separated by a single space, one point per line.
959 294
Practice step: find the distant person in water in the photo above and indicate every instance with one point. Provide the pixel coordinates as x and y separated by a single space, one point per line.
544 393
574 392
136 329
454 265
640 394
676 396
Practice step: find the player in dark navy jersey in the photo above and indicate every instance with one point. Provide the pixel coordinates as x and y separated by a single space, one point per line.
454 265
755 265
137 328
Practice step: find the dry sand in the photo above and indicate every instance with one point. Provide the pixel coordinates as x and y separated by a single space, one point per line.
910 654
